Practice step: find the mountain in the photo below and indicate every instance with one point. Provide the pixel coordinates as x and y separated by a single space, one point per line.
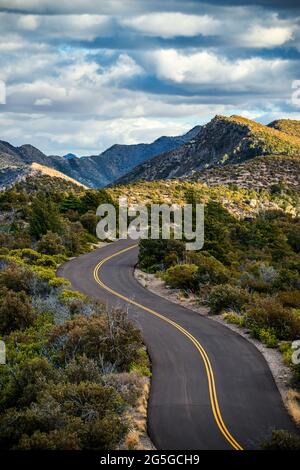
12 175
93 171
269 172
289 126
69 156
223 141
119 159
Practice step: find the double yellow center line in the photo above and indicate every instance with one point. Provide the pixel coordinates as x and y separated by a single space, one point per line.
209 372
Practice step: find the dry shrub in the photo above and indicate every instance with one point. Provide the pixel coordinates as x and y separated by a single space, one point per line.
293 405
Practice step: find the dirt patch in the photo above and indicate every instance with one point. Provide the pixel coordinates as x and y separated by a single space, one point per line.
137 437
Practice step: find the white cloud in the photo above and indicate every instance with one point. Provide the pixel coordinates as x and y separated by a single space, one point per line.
261 36
53 134
170 25
28 22
207 68
73 26
43 102
85 26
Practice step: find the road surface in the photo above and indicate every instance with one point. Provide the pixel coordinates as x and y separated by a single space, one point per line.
210 388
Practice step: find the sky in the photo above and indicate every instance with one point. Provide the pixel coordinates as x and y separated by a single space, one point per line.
82 75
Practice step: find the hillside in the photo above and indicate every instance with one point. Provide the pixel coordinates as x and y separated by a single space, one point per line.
239 201
258 173
224 140
289 126
93 171
12 175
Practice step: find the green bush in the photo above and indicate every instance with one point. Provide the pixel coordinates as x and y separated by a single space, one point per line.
227 297
51 244
259 277
16 278
44 216
16 312
269 313
153 253
67 296
181 276
85 415
290 298
211 271
89 221
234 318
268 337
118 343
27 255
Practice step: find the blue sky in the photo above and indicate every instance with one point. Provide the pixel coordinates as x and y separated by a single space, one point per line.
82 75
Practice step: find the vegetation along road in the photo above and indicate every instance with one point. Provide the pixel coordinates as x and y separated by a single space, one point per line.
211 388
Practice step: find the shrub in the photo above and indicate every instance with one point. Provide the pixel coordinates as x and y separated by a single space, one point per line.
47 261
50 244
142 366
128 385
234 318
59 282
89 416
16 278
282 440
226 297
294 238
268 337
44 216
259 277
83 369
89 221
26 254
16 312
110 339
290 298
269 313
288 279
181 276
153 253
59 439
74 238
211 271
27 381
67 296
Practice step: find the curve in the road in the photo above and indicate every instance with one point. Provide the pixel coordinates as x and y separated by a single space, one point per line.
184 410
209 371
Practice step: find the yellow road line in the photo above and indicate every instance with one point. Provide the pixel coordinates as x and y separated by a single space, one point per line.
209 372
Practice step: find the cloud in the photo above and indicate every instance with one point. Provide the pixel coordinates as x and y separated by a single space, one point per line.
84 75
73 26
170 25
28 22
272 31
83 6
258 36
90 136
43 102
207 68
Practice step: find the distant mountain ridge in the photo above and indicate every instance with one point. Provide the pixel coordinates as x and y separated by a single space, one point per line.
224 140
92 171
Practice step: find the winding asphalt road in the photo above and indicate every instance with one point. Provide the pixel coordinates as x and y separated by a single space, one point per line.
211 388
